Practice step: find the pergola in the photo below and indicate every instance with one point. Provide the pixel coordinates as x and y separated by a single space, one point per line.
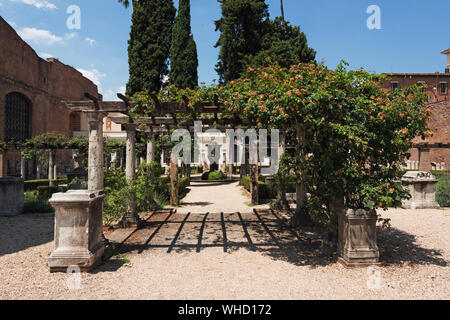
164 116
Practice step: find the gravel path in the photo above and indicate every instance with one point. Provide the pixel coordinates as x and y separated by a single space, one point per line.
230 256
227 197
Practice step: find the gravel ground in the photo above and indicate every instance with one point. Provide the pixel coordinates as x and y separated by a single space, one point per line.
227 197
231 256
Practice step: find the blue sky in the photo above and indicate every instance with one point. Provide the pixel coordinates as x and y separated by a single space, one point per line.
412 34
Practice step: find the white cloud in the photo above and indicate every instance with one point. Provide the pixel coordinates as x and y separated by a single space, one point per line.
40 4
94 75
111 95
39 36
69 36
90 40
45 55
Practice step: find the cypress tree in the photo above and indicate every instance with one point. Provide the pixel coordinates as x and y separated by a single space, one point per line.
183 52
149 44
241 29
284 43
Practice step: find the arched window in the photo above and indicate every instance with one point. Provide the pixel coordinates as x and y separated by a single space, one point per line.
17 117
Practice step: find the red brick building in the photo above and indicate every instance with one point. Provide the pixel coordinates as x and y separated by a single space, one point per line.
437 87
31 93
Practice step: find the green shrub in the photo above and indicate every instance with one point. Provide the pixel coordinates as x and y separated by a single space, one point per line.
114 180
182 185
443 191
214 175
266 191
35 204
45 192
217 175
245 181
114 206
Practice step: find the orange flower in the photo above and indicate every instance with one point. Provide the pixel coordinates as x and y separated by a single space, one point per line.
403 132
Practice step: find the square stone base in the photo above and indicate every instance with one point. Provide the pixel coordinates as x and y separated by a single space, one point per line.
11 196
78 230
86 260
422 188
357 244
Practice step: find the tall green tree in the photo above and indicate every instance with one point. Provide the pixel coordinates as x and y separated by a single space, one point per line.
284 43
241 29
183 52
149 44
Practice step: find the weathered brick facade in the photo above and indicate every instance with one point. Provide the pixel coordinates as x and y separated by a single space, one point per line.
44 83
440 107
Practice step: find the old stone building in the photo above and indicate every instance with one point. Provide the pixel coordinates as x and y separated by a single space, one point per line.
436 86
31 93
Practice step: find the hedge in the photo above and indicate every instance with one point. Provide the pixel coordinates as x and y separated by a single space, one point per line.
214 175
443 190
31 185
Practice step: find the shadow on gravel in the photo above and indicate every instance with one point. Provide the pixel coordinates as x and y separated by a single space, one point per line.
21 232
398 247
261 232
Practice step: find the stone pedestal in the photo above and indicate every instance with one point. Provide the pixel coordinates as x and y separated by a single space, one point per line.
78 230
11 196
357 244
422 187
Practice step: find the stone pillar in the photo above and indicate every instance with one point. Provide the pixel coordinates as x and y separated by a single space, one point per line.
11 196
173 182
95 157
131 218
78 230
150 147
424 159
51 171
23 164
38 170
357 233
422 188
3 167
79 238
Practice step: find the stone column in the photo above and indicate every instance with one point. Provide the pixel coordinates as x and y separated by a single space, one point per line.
79 238
95 157
131 218
38 170
23 165
3 169
51 171
150 147
424 159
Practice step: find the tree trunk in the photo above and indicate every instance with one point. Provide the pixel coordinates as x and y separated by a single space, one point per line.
301 187
173 182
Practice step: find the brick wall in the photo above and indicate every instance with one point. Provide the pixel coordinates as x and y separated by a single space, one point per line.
45 83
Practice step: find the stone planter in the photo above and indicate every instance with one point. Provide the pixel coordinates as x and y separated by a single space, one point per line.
422 187
11 196
78 230
357 244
